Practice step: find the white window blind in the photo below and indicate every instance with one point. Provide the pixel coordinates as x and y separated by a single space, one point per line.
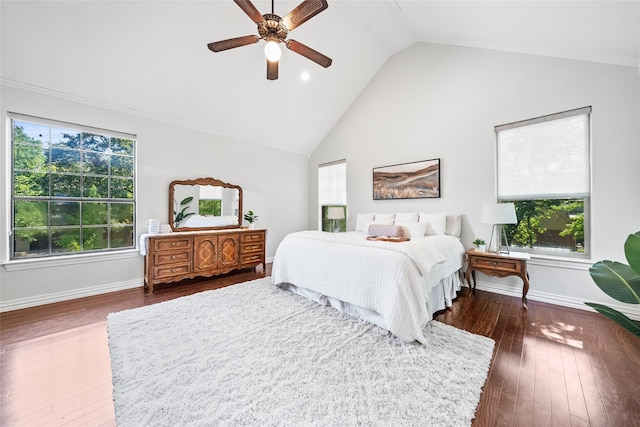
332 183
545 157
209 192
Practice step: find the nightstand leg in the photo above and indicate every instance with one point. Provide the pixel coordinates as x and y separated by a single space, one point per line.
525 289
471 274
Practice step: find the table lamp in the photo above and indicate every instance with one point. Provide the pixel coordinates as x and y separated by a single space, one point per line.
333 213
499 214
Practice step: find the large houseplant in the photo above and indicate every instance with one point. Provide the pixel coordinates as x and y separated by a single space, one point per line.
620 281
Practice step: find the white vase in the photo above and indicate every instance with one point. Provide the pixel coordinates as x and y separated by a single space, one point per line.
481 248
252 225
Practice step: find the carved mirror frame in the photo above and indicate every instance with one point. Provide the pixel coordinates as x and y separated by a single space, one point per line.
202 181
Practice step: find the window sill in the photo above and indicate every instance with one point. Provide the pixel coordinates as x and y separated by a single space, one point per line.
28 264
561 262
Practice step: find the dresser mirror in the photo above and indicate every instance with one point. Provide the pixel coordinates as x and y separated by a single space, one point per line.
204 204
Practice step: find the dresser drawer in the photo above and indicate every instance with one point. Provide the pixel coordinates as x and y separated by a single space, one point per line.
496 264
171 270
252 237
165 257
255 258
170 244
248 248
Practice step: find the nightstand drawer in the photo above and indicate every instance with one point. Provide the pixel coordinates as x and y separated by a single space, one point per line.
496 264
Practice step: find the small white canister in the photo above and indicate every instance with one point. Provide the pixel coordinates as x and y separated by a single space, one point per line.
153 226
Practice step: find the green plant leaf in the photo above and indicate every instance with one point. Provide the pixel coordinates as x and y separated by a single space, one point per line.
622 320
632 251
617 280
186 200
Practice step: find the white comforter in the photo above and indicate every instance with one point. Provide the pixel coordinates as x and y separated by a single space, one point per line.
392 279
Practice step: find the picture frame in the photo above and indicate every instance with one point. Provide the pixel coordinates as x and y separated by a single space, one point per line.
415 180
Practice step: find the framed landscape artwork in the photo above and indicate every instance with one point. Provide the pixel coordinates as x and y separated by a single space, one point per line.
417 180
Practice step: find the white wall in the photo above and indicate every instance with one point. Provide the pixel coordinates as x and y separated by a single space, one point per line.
435 101
273 182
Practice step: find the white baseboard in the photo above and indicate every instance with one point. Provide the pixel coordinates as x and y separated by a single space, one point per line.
17 304
20 303
628 309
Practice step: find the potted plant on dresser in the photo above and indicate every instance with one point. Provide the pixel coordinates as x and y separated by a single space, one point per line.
250 217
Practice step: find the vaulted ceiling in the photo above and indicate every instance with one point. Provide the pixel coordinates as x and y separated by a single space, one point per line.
150 58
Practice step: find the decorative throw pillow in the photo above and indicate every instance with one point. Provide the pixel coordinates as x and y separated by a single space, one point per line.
368 224
453 225
386 230
436 222
407 217
413 229
362 219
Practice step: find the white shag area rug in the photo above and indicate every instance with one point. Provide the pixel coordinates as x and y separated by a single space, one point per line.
253 354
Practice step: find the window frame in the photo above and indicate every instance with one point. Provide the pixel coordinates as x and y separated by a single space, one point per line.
69 257
541 252
324 204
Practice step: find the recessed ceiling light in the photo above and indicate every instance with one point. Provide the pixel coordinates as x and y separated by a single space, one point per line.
305 76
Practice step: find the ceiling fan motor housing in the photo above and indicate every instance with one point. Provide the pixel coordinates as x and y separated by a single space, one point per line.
272 28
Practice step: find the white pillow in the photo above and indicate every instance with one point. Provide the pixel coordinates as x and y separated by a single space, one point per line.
436 222
407 217
365 228
413 229
384 216
361 219
453 225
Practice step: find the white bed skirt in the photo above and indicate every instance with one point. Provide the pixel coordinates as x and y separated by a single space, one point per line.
440 298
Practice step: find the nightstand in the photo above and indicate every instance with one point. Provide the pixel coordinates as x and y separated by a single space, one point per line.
499 265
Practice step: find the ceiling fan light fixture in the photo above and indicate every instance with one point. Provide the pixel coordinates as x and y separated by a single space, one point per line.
275 30
272 51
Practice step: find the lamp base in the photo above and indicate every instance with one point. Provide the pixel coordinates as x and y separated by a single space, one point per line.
502 243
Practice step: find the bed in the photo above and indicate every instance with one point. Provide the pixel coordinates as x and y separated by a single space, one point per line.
395 285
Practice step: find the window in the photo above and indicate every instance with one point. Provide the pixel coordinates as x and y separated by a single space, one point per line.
332 193
72 189
543 167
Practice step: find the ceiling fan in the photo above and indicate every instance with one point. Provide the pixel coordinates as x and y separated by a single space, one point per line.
274 30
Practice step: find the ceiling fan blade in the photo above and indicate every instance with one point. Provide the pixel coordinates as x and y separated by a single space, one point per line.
250 10
231 43
309 53
272 70
303 12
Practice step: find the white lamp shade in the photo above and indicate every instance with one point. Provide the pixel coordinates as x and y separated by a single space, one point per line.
335 213
498 213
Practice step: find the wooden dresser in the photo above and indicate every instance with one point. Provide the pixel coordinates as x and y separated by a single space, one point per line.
173 257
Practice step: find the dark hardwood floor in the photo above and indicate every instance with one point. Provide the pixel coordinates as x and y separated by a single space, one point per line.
552 366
